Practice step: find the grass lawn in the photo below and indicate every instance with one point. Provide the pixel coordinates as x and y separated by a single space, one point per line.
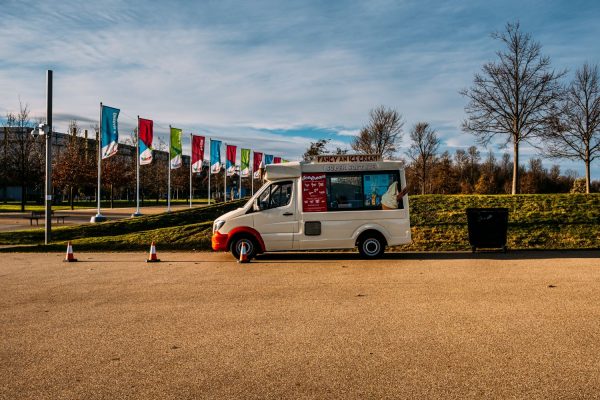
557 221
536 221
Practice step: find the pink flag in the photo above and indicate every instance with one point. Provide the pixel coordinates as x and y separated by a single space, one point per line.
231 150
257 164
197 153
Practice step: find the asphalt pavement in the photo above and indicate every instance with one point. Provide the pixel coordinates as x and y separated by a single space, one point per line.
317 326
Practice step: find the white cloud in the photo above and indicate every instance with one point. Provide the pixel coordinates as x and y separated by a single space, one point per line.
237 70
348 132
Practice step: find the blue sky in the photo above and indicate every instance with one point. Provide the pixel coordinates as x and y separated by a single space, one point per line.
273 75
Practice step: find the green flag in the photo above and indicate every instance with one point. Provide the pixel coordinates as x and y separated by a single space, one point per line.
245 162
175 150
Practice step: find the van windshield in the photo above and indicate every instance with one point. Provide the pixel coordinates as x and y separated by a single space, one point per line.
272 195
276 195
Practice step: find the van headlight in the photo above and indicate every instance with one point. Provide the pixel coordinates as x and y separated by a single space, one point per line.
217 225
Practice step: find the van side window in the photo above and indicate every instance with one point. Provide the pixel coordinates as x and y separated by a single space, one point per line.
377 190
277 195
381 191
344 192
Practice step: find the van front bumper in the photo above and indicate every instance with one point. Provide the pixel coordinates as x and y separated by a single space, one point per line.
219 241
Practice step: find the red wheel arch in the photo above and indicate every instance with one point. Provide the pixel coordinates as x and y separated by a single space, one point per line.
247 230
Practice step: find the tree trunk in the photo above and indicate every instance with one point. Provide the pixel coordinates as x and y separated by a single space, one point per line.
424 177
515 180
71 198
111 196
587 170
23 196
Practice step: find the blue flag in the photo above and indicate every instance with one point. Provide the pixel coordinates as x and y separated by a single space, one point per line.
110 131
215 156
268 159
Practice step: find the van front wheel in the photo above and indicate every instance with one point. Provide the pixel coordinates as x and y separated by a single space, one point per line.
238 242
371 246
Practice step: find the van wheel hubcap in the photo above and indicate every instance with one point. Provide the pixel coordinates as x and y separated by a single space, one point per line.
371 246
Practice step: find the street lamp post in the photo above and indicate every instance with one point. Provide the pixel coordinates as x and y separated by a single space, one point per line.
46 130
48 200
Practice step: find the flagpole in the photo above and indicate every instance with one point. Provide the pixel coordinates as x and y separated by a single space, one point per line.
191 155
169 176
99 158
137 172
225 175
99 217
209 167
252 175
240 177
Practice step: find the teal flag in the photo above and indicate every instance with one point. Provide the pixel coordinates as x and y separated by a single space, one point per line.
215 156
109 131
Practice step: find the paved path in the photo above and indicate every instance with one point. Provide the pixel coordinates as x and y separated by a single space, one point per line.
318 326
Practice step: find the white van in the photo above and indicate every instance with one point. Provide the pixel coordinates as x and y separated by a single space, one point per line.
333 202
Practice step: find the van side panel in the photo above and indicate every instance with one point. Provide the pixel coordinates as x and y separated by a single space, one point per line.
339 229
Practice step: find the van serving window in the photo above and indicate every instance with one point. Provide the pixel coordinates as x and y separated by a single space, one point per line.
344 192
363 191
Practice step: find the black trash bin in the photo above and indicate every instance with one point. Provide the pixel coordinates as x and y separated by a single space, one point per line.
487 227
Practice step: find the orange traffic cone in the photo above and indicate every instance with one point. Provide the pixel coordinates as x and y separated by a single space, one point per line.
243 255
70 257
152 257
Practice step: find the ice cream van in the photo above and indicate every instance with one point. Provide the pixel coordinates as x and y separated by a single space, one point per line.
332 202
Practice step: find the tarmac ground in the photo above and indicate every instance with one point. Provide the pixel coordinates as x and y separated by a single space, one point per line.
199 325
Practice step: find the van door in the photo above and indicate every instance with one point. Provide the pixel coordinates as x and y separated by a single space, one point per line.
277 220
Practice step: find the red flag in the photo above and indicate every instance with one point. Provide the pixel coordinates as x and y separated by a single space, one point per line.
231 150
197 153
276 160
256 164
145 135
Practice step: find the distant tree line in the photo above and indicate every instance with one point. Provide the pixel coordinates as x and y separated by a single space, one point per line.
516 99
75 168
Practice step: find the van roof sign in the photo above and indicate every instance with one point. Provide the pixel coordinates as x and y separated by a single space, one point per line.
346 158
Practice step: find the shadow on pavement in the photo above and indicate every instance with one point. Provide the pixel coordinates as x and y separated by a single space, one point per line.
450 255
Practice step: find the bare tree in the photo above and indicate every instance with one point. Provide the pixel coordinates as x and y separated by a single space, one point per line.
315 149
24 156
117 173
576 129
4 152
474 156
513 97
461 160
73 169
423 150
382 133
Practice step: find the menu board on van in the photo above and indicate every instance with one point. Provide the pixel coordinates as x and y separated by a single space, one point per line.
314 194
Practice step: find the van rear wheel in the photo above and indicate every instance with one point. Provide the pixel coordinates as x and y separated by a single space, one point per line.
236 246
371 246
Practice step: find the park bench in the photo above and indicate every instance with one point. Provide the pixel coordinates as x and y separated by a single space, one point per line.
58 217
36 215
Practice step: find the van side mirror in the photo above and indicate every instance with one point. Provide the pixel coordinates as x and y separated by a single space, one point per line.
256 205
